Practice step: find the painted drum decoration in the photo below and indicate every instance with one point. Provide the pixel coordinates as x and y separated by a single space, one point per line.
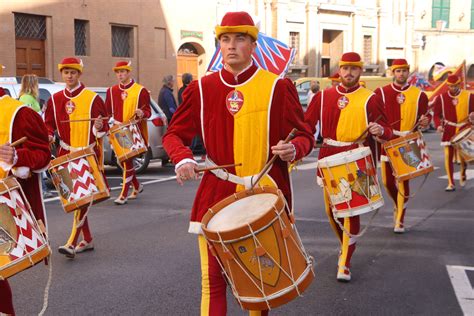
350 180
408 155
23 241
78 180
127 141
258 247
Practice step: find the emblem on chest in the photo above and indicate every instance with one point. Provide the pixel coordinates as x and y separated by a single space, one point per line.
70 107
401 98
342 102
124 95
234 101
455 101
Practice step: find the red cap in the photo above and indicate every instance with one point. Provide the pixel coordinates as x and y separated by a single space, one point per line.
123 64
237 22
335 77
453 80
71 62
351 59
399 63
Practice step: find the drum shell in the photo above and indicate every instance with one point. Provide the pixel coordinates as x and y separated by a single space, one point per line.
464 144
101 195
269 230
402 170
8 266
124 153
343 175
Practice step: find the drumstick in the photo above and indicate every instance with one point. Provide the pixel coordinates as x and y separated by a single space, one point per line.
216 167
268 165
393 123
366 130
19 141
86 120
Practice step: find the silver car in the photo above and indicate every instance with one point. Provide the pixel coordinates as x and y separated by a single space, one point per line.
157 125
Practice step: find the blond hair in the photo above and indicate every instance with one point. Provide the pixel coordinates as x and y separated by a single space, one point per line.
29 85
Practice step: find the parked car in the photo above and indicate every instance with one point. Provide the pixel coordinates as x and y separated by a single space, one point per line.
157 125
46 87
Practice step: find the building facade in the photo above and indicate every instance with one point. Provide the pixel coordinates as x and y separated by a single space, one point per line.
177 36
36 35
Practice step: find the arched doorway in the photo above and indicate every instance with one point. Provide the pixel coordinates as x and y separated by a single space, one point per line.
189 60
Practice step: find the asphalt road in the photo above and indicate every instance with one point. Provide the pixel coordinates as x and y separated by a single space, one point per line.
145 262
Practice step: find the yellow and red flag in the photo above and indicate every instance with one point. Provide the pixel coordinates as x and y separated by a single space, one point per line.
442 88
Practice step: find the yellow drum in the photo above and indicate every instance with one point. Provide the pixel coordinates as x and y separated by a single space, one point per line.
408 156
23 241
464 143
350 180
78 180
127 141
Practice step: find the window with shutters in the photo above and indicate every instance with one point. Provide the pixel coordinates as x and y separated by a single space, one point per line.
295 44
472 14
81 36
122 39
368 49
440 12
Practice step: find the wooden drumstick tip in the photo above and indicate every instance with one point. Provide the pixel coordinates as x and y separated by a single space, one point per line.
19 141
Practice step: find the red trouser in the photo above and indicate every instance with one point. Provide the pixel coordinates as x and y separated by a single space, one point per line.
449 166
213 284
80 225
399 193
348 244
129 177
6 299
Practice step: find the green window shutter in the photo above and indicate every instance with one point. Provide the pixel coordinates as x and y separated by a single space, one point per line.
440 11
472 14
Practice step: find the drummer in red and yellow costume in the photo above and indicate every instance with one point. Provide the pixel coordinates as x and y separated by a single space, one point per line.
75 102
241 113
405 106
452 112
344 112
335 79
25 162
125 101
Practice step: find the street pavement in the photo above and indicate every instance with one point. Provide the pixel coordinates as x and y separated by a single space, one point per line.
145 262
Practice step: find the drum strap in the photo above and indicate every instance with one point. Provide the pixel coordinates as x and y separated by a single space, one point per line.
336 143
73 149
226 176
454 124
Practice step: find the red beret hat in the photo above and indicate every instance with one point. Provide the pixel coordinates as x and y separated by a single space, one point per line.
351 59
71 62
237 22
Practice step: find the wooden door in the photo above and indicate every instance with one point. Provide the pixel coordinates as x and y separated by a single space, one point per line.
186 63
30 57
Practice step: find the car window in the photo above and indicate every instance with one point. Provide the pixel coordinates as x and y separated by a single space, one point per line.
44 96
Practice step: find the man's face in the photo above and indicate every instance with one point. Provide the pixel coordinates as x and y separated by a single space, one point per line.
401 76
237 49
70 77
454 89
123 76
350 75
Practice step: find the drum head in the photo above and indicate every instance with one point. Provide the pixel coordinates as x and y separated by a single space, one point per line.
459 136
242 211
344 157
